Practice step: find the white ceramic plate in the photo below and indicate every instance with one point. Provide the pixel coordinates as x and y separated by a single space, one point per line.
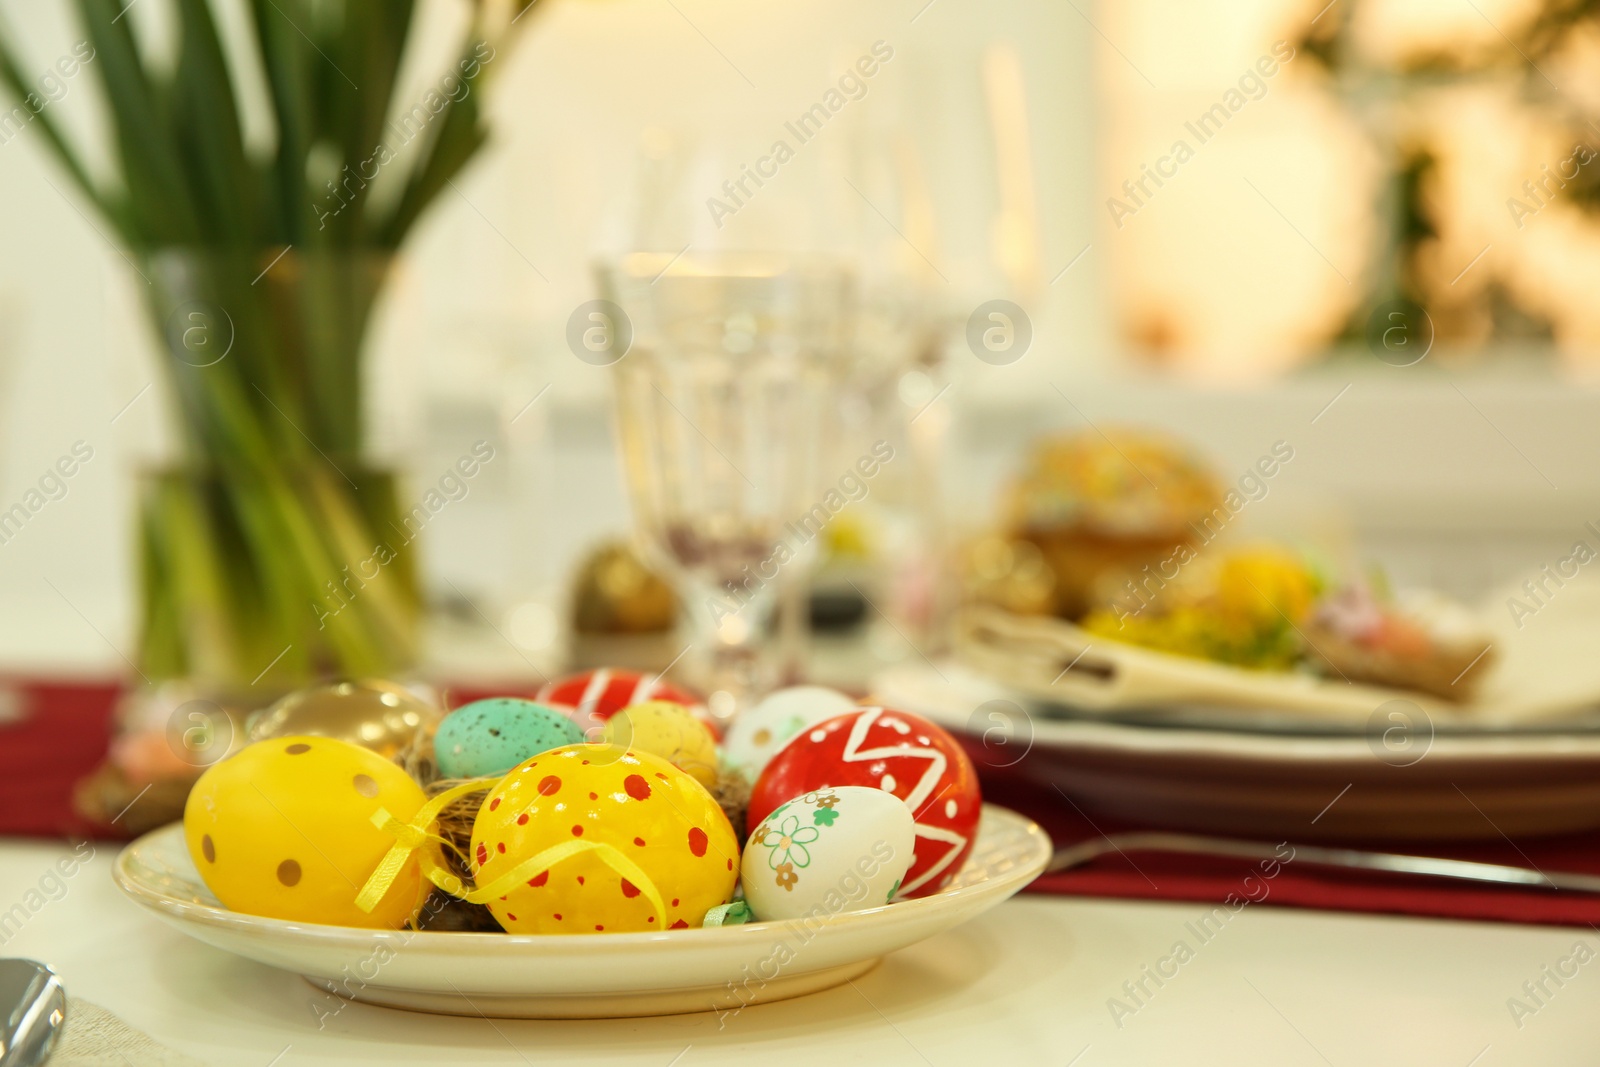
564 976
1396 779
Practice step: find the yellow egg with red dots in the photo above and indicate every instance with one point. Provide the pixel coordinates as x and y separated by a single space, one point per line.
598 838
670 731
283 828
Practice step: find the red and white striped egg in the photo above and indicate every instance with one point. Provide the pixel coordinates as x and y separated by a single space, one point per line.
900 753
594 696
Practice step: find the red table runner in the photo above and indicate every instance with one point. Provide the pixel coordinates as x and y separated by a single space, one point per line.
1219 880
53 733
57 731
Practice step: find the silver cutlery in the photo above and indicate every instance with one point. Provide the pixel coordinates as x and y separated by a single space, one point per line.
35 1005
1077 855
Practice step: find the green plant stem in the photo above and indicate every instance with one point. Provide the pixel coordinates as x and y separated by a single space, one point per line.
263 533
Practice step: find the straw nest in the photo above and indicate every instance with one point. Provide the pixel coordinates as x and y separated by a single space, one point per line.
444 912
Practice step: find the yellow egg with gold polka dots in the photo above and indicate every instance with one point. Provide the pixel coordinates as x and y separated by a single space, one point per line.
670 731
596 839
284 829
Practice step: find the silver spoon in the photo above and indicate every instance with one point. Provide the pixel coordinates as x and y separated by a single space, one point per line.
35 1005
1392 862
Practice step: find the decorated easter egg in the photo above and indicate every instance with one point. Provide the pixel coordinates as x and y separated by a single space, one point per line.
489 737
757 734
899 753
284 829
594 696
594 838
668 730
843 848
382 716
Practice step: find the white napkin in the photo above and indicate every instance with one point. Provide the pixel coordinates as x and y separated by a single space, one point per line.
1546 666
93 1037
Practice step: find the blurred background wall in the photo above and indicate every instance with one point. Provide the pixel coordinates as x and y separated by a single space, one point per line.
1215 310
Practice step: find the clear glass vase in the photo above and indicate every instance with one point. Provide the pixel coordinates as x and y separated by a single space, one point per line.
273 548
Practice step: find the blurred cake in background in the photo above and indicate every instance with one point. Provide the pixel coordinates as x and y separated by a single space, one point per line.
1007 573
1100 507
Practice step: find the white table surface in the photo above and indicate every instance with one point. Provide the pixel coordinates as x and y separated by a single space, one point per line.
1026 984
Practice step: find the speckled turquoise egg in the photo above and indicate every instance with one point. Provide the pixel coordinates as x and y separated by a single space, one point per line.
489 737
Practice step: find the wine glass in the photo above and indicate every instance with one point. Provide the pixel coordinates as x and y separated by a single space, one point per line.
723 405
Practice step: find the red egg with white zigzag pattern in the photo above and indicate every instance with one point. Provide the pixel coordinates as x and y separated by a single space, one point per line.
594 696
900 753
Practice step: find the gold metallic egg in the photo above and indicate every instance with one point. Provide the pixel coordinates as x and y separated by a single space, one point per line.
378 715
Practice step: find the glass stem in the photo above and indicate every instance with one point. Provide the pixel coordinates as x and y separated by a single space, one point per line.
729 657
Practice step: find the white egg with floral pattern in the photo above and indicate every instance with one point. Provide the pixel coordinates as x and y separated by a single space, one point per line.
837 849
760 732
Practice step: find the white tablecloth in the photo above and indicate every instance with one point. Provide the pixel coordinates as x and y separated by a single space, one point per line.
1030 983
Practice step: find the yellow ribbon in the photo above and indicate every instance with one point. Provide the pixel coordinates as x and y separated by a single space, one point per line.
548 858
413 836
